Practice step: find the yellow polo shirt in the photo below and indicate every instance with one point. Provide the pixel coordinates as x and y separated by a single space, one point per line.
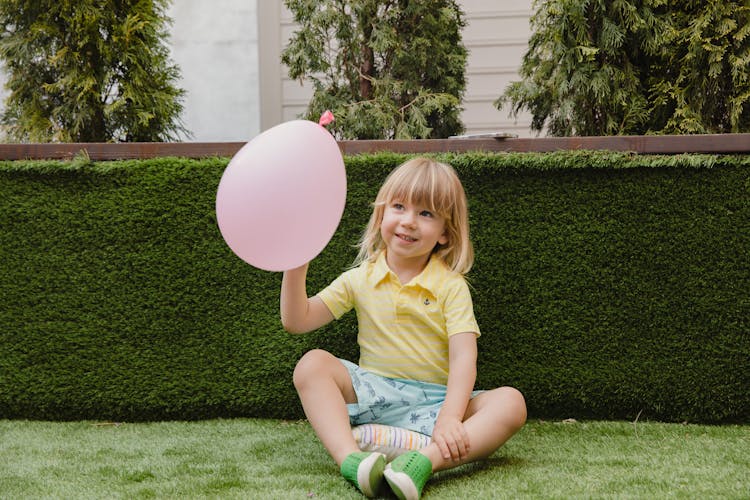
404 329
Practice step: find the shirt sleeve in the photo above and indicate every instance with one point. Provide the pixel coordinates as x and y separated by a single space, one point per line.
459 309
339 295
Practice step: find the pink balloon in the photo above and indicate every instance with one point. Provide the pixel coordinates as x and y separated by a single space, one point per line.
282 196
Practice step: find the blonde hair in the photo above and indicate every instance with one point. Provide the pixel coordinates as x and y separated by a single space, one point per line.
436 186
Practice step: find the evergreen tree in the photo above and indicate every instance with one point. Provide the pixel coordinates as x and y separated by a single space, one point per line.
635 67
703 84
582 73
88 71
386 68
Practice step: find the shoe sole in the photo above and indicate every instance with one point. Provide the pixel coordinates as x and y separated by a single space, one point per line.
370 474
401 484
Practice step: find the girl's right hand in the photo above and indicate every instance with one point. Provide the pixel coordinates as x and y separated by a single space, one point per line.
300 314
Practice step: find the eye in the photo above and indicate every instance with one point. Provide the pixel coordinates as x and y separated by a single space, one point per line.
397 206
426 213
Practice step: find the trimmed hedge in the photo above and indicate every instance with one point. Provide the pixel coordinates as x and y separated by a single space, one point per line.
606 286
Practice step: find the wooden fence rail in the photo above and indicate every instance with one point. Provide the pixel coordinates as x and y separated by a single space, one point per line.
643 144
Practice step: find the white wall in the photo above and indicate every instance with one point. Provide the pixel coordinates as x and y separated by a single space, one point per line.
216 46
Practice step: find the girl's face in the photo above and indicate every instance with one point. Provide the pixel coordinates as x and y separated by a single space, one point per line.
410 232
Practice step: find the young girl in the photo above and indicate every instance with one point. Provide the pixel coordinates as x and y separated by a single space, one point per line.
417 337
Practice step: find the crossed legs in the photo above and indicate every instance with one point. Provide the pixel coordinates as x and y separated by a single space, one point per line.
325 387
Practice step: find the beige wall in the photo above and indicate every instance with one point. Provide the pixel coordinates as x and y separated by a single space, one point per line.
496 36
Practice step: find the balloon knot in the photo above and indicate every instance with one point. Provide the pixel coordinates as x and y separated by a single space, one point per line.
326 118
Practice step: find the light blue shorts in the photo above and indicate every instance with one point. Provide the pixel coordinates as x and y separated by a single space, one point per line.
409 404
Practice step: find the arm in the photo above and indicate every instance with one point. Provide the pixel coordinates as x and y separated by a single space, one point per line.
300 314
449 432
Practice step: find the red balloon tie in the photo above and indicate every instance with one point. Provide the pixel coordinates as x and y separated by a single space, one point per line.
326 118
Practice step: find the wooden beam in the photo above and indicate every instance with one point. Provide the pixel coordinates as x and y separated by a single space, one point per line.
643 144
117 151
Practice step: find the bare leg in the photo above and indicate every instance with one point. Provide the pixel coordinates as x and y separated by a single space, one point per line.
325 387
491 419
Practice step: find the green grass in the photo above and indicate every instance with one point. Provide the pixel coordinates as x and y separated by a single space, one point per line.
272 459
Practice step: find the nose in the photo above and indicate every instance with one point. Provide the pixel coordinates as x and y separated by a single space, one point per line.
409 218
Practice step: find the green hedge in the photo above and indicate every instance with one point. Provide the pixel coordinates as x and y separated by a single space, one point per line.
606 285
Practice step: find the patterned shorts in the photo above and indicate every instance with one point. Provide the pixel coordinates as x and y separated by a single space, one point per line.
409 404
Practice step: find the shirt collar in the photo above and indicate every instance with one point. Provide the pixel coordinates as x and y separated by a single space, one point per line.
380 270
431 277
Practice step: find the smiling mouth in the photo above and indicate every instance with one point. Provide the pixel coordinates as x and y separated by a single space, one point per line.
406 238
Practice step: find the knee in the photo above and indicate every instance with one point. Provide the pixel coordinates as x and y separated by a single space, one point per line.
310 366
511 404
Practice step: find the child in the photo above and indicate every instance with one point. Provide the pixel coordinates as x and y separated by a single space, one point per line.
417 338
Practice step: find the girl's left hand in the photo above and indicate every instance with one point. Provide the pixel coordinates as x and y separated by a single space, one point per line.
451 437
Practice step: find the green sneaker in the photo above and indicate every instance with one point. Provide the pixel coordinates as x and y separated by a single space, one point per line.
407 475
364 470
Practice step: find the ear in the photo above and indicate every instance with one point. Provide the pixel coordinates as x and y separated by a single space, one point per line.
443 240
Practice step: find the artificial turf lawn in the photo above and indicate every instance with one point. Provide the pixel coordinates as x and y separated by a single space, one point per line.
250 458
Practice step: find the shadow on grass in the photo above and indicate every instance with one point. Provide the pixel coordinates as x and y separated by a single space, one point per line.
481 467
